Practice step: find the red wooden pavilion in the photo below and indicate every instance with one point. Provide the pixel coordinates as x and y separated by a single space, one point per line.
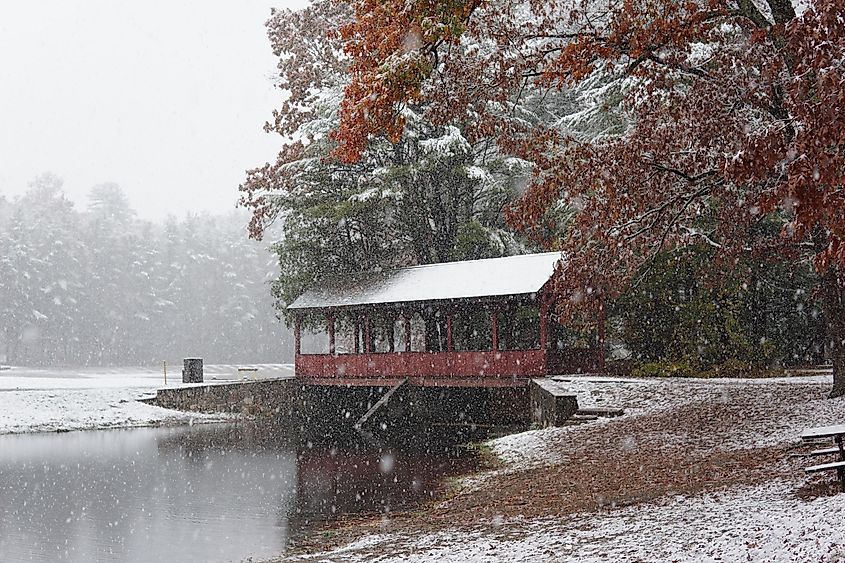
478 323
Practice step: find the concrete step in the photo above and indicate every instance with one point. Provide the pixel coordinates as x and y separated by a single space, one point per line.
583 417
601 411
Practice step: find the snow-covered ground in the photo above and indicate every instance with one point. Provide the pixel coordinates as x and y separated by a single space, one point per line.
759 521
43 400
644 397
759 524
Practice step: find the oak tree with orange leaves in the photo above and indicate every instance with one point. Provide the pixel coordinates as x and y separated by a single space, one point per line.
710 122
429 196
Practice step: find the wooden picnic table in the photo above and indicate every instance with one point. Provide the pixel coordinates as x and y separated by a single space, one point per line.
837 432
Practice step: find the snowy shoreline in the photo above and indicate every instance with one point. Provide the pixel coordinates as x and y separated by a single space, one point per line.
764 515
754 521
757 524
63 400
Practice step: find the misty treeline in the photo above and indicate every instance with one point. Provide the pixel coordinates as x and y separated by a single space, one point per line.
98 286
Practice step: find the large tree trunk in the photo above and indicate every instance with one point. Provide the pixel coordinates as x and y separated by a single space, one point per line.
838 356
834 306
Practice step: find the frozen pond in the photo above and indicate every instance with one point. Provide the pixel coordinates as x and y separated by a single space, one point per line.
200 493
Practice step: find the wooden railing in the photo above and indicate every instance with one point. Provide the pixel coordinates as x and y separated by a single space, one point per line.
530 363
449 365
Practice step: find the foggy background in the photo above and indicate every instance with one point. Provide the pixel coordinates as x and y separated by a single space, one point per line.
126 133
167 99
98 286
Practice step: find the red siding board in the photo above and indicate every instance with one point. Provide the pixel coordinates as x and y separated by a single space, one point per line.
429 368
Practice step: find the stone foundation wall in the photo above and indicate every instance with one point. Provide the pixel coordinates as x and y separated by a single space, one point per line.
550 406
274 397
316 407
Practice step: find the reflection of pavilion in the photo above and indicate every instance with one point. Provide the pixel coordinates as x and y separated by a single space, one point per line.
366 481
479 323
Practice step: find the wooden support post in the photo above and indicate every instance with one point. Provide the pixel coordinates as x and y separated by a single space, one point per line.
380 403
407 319
297 334
544 323
357 336
494 329
368 346
331 328
391 332
450 344
601 334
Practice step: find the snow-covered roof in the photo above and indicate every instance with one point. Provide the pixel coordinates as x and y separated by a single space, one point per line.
512 275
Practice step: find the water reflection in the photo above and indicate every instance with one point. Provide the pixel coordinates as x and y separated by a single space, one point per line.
204 493
376 477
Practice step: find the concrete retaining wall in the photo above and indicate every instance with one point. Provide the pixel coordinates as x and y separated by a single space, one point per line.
272 397
550 406
317 407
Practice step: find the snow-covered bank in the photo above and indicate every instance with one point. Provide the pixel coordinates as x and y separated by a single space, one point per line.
696 470
644 397
85 409
44 400
761 524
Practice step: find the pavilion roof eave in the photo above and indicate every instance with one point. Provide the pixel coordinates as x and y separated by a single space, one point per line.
449 282
421 303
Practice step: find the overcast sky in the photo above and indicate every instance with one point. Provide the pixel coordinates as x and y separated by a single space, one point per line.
165 98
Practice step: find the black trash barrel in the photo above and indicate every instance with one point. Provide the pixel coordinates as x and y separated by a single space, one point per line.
192 370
